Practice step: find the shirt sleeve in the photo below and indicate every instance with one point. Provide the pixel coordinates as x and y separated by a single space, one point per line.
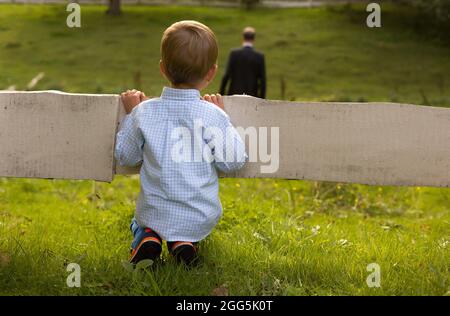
227 148
129 141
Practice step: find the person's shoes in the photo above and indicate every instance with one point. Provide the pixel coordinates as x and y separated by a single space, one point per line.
184 251
148 248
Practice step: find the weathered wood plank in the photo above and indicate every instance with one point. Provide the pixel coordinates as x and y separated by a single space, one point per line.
370 143
57 135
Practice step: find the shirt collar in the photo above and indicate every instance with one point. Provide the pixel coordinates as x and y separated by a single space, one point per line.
181 94
247 44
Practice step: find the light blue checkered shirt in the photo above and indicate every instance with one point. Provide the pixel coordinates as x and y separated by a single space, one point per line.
178 199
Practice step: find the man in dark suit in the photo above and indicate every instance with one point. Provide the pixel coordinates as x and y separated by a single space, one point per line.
246 69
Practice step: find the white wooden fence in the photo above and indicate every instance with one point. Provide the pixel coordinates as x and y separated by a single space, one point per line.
52 134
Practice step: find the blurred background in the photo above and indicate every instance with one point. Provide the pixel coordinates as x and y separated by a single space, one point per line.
315 50
277 237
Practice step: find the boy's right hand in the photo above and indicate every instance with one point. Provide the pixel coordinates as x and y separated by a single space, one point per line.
132 98
215 99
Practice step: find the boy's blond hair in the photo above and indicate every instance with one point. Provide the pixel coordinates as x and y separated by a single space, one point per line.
188 51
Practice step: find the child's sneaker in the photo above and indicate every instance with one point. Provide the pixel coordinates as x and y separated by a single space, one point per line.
184 251
149 247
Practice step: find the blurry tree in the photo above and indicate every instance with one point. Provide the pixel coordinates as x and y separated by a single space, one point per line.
114 7
438 9
249 4
432 18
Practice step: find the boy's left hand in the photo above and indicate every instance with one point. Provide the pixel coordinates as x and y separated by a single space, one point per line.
132 98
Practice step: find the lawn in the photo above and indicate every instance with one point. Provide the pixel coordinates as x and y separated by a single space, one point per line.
276 236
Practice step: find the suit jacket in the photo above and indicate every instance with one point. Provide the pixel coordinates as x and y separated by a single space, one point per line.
247 71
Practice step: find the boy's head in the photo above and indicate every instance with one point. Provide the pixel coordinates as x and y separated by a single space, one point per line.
189 54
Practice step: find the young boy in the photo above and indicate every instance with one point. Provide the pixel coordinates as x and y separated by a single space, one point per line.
182 141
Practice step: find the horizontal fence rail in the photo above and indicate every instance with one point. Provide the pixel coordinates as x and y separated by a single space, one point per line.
51 134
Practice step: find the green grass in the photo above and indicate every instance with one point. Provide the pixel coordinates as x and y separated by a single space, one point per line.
276 236
322 54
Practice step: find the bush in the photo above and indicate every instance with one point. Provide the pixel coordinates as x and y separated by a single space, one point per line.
430 17
438 9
